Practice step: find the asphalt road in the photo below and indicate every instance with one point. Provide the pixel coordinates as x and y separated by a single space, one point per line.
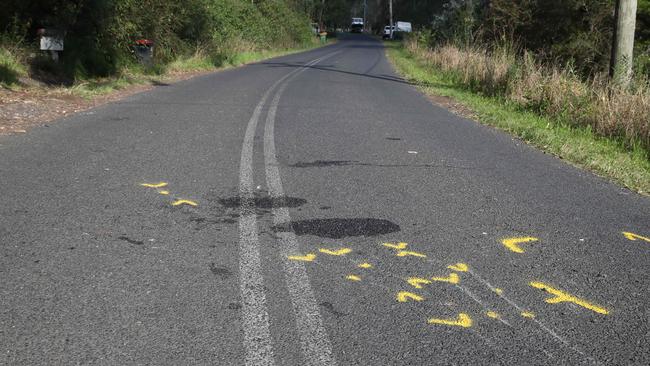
340 218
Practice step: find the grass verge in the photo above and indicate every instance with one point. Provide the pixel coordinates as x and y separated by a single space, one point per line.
135 75
607 157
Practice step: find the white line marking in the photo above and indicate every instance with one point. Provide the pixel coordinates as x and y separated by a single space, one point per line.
315 343
255 317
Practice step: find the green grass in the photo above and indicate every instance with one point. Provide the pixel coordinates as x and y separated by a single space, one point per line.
10 68
604 156
197 63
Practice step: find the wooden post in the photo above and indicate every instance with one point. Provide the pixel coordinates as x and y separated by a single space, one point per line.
623 47
390 6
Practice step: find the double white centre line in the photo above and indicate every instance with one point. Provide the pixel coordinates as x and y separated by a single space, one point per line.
255 318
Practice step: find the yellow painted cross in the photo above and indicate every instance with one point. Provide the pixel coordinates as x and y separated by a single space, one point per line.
338 252
561 296
513 243
453 278
305 258
463 321
404 296
634 237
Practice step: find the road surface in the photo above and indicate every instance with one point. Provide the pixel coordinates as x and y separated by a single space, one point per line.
313 209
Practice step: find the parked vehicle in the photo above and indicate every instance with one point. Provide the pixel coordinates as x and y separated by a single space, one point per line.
386 34
404 27
357 25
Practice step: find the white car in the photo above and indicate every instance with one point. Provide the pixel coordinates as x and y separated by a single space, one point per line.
386 34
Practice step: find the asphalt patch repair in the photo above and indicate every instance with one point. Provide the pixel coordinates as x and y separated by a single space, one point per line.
338 228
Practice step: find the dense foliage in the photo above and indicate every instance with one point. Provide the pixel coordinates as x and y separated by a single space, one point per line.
100 34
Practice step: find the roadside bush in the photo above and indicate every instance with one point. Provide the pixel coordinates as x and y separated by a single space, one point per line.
100 35
558 92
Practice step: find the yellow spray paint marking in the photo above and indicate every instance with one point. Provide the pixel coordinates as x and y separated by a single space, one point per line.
404 253
164 192
453 278
498 291
353 278
184 202
154 185
528 314
303 258
338 252
398 246
416 282
404 296
365 265
513 243
463 321
459 267
634 237
561 296
492 314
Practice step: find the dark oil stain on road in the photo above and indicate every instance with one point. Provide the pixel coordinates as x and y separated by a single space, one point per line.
338 228
222 272
132 241
234 306
330 309
264 202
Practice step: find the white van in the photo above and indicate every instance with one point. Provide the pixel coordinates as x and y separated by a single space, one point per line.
404 27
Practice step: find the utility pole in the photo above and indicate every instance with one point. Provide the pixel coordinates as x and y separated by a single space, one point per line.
365 13
623 48
390 7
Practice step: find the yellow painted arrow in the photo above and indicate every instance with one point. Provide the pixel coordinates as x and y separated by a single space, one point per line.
513 243
417 282
184 202
634 237
453 278
404 296
305 258
338 252
459 267
463 321
154 185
